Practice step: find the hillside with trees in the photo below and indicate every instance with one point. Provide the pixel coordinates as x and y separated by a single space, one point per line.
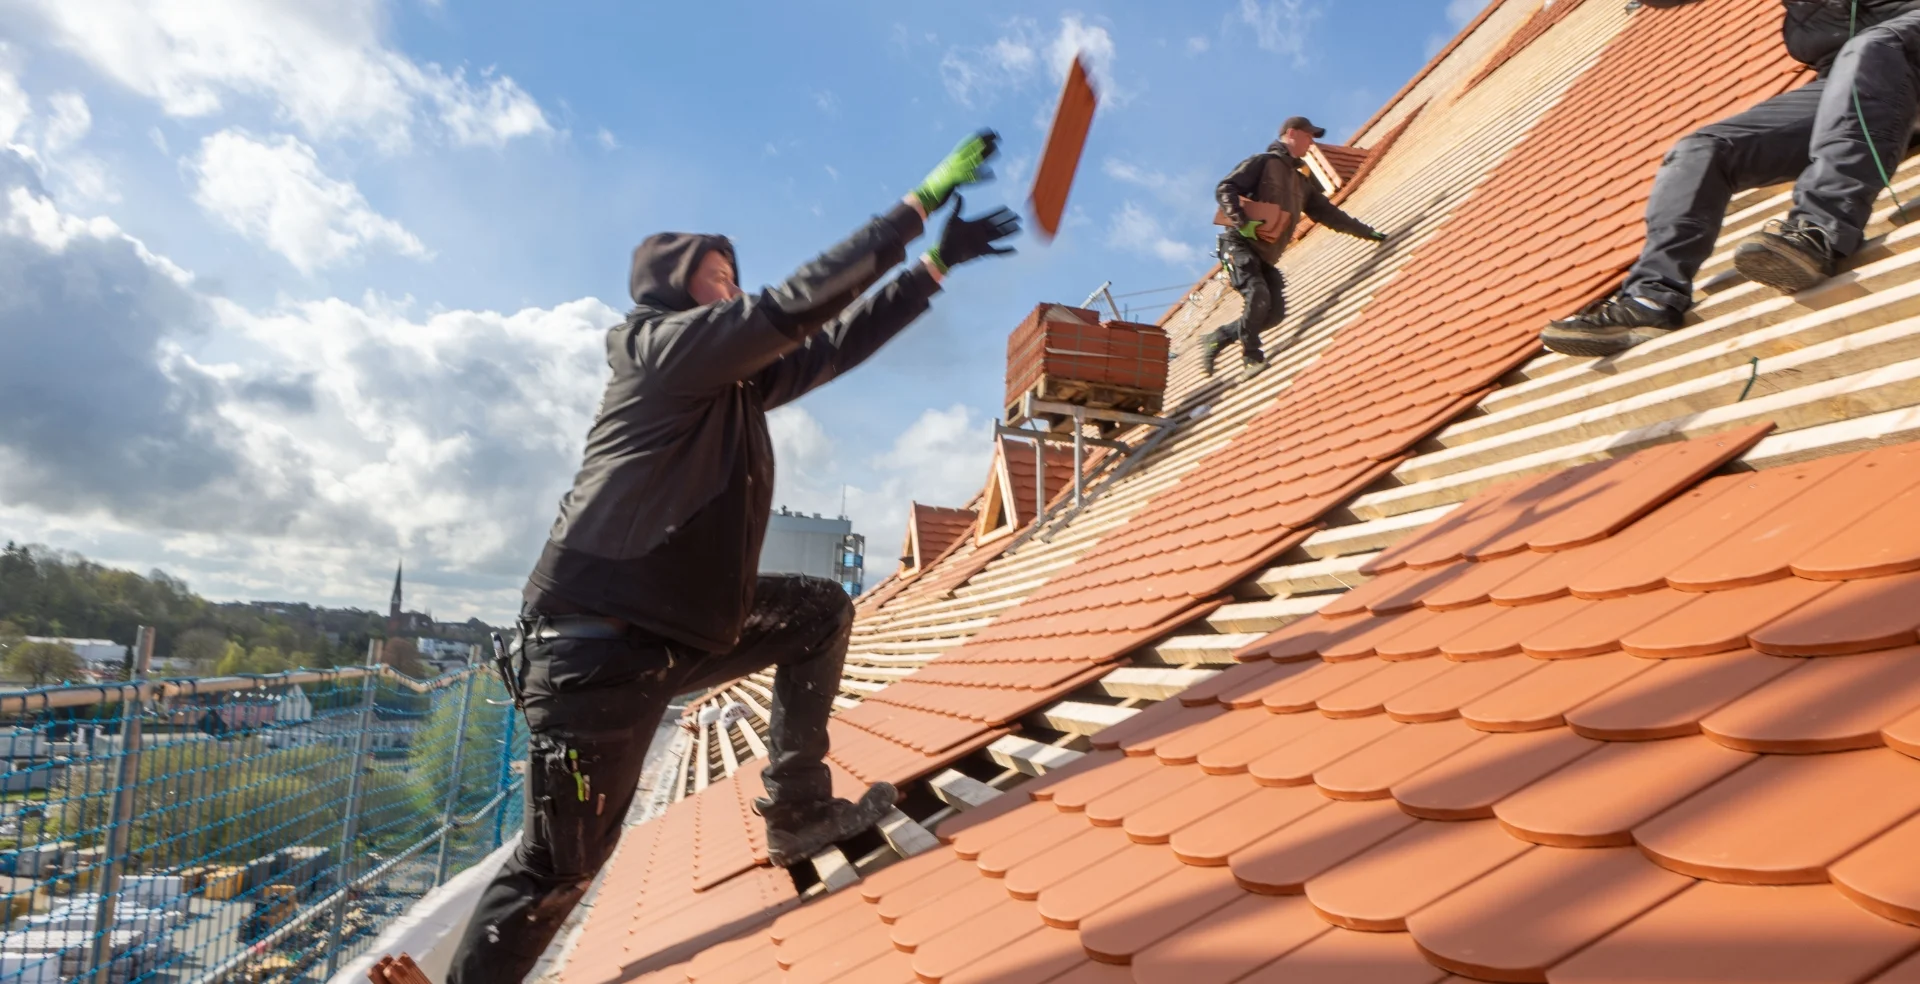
45 592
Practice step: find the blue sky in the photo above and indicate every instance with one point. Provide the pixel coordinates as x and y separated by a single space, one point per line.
300 288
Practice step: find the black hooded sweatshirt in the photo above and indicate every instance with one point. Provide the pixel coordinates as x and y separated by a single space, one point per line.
1815 30
665 520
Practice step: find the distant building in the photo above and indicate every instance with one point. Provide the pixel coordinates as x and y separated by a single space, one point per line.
442 649
99 654
802 544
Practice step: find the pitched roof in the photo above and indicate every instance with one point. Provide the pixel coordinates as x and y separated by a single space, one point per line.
1588 714
1492 758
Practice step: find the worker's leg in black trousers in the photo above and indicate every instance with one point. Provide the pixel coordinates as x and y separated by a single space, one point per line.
1836 191
1244 272
1700 175
799 625
592 708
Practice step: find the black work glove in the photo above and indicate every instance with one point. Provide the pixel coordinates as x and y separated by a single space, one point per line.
1375 235
964 239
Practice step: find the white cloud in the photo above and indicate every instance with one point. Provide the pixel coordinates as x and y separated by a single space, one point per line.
1197 46
1136 230
1185 191
275 194
827 102
14 105
282 452
1459 12
70 121
325 67
607 139
1281 26
1015 61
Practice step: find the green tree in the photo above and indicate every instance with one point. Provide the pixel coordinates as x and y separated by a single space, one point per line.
200 648
43 661
403 655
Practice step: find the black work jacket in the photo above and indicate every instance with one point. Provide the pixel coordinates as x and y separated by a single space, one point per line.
1277 178
682 427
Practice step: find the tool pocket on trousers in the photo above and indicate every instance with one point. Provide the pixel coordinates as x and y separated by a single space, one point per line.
560 782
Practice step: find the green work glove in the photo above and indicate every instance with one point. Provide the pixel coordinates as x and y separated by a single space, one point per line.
1246 229
1376 235
965 165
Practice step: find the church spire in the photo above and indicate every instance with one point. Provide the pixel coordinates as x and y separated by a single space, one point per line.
393 610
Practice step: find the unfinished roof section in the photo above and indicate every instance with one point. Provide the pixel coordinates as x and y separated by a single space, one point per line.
1551 13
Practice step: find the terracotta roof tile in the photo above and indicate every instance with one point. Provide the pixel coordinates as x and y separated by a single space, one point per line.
1085 849
1462 683
1467 785
1671 699
1808 933
1525 916
1378 889
1542 699
1783 819
1826 705
1283 861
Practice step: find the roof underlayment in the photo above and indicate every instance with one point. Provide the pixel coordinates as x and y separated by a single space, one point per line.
1423 653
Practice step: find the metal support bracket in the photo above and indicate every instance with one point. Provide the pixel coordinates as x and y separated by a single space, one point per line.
1037 411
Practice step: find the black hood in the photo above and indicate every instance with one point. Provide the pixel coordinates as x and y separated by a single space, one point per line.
663 265
1277 147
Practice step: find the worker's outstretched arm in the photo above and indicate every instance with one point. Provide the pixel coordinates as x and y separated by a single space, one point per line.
1242 180
731 341
872 321
1328 214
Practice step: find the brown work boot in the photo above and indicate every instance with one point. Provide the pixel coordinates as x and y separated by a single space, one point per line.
798 832
1788 256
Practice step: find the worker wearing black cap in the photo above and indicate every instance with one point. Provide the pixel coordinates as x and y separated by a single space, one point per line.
1277 176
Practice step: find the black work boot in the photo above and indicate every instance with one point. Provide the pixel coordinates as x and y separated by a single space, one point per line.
1788 256
798 832
1609 326
1253 365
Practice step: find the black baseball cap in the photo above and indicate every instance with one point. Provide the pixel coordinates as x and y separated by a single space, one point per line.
1302 123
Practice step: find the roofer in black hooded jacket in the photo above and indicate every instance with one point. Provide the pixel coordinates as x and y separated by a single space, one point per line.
647 586
1866 54
1277 176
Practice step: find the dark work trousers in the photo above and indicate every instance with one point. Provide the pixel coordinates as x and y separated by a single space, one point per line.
592 708
1262 288
1811 134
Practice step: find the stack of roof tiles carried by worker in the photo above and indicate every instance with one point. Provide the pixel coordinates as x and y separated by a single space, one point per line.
1423 655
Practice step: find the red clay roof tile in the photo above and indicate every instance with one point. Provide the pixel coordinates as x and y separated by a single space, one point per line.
1029 878
1406 750
1855 617
1883 876
1671 699
1530 914
1213 840
1827 705
1378 889
1783 819
1282 862
1807 933
1469 784
1443 696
